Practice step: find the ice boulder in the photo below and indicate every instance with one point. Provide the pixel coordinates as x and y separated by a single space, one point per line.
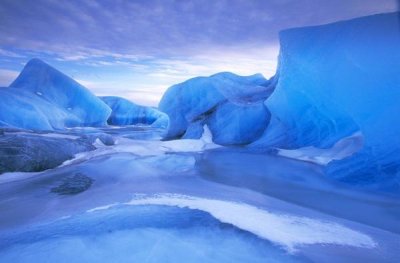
43 98
125 112
230 105
337 79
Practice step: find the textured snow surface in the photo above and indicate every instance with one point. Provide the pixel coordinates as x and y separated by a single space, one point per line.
125 112
231 105
286 230
43 98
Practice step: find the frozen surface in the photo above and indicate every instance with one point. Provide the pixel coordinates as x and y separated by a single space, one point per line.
42 98
231 105
337 79
165 201
301 183
125 112
286 230
140 234
151 148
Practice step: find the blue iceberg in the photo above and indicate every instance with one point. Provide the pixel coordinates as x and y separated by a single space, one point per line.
230 105
335 80
43 98
125 112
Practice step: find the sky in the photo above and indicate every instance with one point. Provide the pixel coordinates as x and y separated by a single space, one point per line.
137 49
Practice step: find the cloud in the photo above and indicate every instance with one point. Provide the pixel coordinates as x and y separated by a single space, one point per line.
7 76
137 49
164 27
10 54
145 80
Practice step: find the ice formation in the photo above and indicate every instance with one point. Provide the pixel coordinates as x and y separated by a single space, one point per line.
43 98
231 105
128 196
125 112
337 79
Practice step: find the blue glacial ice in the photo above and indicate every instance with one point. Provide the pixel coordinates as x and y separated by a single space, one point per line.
335 80
231 105
138 198
43 98
125 112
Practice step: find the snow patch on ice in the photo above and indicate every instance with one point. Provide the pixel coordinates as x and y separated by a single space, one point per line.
340 150
287 230
99 208
191 145
98 143
147 148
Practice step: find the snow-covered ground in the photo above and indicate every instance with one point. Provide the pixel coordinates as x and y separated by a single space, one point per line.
147 200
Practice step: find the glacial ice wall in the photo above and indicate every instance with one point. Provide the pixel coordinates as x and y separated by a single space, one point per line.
231 105
43 98
336 79
125 112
